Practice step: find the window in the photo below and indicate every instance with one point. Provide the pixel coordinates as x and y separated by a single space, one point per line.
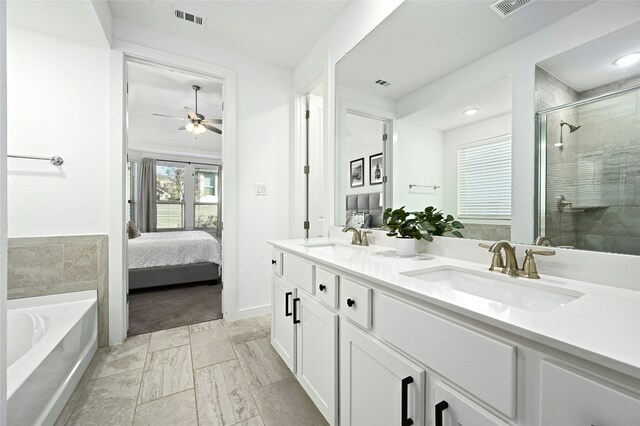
205 198
484 180
170 196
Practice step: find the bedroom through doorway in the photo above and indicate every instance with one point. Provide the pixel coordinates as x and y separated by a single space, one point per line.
174 131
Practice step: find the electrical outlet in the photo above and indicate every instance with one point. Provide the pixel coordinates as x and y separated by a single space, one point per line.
261 189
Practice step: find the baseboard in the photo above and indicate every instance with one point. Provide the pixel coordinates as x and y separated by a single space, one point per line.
248 313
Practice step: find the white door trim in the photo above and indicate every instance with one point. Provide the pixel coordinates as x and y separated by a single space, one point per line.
117 166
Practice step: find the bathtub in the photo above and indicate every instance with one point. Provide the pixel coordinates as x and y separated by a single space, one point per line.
50 342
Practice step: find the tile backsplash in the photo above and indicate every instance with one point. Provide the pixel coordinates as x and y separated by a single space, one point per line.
39 266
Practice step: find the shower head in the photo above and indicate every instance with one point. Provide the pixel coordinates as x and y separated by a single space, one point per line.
572 128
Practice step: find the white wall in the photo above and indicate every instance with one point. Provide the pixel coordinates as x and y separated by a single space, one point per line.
453 139
417 157
3 214
57 105
263 113
519 59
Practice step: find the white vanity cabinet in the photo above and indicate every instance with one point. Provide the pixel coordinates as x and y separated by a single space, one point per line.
378 386
305 334
369 355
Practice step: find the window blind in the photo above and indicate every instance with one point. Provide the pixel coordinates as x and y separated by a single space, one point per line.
484 180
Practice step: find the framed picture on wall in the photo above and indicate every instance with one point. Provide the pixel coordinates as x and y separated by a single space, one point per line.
356 169
376 169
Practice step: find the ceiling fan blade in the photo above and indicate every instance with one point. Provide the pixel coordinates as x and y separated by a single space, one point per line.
191 113
213 129
169 116
212 121
182 127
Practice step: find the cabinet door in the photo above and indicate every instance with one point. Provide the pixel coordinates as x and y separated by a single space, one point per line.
317 354
282 327
570 398
452 408
377 385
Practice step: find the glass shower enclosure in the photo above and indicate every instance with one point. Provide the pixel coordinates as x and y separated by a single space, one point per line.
589 173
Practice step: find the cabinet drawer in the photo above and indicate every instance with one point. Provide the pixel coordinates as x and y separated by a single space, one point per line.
569 398
483 366
327 287
452 408
298 272
276 262
355 302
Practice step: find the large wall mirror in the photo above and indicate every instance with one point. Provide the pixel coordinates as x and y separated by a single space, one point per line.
421 122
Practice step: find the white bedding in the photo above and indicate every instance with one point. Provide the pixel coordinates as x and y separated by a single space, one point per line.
173 248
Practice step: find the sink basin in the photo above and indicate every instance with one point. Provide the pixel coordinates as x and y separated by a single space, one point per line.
530 295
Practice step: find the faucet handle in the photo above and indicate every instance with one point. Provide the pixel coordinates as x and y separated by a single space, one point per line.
365 239
529 267
497 262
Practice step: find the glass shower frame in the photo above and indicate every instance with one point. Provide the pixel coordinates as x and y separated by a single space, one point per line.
541 151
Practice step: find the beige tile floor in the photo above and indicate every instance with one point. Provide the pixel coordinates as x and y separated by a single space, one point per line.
212 373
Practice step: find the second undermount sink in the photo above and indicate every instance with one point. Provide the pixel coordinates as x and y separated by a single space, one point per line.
530 295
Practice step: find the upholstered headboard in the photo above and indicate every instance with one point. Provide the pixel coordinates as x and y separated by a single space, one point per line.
367 204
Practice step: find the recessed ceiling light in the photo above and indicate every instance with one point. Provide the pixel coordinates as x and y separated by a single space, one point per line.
627 60
470 112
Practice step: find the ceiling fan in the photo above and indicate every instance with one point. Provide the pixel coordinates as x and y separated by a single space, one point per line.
197 124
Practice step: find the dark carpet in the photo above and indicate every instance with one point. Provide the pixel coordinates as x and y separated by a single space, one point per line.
160 308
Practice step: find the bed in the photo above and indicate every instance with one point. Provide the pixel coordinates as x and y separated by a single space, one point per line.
367 204
163 258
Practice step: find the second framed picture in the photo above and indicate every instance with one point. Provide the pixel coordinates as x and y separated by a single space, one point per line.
356 170
376 169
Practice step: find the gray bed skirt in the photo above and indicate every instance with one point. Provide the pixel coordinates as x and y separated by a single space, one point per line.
165 275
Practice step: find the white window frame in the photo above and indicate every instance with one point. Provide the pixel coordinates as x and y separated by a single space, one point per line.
185 210
208 167
483 218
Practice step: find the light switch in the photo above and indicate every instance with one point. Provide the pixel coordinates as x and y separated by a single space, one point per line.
261 189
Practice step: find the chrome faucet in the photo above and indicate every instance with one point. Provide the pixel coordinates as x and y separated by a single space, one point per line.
356 240
510 266
511 263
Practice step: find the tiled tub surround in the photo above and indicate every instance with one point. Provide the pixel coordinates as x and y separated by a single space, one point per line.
212 373
39 266
486 231
599 166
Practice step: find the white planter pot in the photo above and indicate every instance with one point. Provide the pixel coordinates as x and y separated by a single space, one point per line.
405 246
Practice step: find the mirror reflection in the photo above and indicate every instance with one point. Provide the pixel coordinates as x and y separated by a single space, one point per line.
589 143
417 127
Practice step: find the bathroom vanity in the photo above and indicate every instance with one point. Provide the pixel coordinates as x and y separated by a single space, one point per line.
375 339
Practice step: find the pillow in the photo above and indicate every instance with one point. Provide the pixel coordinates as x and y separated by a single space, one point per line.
133 230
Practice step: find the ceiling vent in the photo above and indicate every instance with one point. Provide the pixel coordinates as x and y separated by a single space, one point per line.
505 8
382 83
183 15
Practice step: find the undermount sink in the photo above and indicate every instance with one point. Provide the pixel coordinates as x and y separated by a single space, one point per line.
530 295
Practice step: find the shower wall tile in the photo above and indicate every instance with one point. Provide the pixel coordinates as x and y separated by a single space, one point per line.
621 165
612 87
626 245
40 266
551 92
489 232
608 109
590 242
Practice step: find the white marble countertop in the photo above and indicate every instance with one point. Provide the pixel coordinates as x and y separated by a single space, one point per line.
602 326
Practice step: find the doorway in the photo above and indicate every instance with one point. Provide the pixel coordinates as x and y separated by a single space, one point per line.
174 137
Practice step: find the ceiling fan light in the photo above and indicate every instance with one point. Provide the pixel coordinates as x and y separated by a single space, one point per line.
189 127
199 129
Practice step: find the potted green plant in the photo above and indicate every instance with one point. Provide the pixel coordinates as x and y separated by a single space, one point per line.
408 227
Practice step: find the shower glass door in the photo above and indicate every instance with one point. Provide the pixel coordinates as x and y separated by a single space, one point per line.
589 173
